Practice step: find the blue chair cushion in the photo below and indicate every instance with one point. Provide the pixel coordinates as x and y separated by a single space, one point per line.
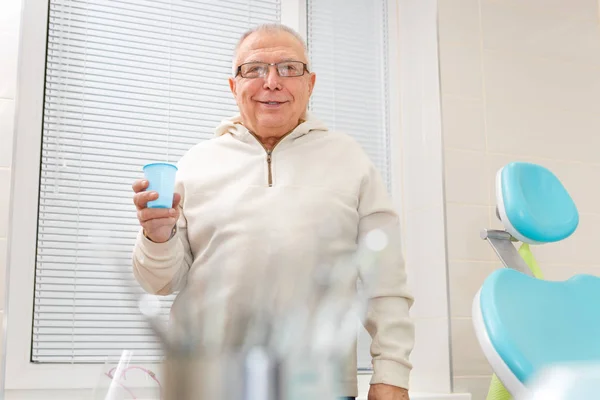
533 323
536 203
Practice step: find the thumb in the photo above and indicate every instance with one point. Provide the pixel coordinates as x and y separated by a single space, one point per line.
176 200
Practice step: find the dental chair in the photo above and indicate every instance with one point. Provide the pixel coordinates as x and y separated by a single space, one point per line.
523 323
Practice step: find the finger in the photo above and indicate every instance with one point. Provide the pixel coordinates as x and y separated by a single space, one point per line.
141 199
176 200
139 185
154 224
147 214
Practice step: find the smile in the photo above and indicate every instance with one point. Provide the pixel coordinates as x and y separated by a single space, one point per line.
272 104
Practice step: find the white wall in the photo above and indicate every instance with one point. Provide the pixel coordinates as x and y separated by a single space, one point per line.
520 81
422 197
10 11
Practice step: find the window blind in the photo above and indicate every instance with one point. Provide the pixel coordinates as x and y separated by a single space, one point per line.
127 82
348 44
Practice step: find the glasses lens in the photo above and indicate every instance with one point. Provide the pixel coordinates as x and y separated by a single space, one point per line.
253 70
290 68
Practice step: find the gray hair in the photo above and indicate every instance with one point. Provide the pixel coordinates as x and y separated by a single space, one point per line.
270 28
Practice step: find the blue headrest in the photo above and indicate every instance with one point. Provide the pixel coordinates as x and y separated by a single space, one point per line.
534 323
533 204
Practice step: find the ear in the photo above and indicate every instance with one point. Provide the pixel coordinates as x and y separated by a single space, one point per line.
311 83
232 86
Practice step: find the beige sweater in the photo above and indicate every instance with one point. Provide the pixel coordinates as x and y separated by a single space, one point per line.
312 202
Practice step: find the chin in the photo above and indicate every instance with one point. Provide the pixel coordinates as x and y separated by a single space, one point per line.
272 121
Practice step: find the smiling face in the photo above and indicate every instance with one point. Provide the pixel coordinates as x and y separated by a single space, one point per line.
271 106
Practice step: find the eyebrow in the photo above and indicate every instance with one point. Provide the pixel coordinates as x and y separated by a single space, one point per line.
259 61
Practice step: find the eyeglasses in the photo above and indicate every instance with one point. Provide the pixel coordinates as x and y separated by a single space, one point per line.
285 69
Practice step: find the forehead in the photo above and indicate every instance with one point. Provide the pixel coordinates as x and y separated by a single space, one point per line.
270 47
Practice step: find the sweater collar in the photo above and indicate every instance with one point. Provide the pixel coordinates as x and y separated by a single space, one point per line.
235 127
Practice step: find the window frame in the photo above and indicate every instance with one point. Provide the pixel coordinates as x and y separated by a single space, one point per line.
20 374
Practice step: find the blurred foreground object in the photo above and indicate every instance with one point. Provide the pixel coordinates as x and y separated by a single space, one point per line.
284 336
576 381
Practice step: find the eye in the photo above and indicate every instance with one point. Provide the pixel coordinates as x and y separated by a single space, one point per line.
253 70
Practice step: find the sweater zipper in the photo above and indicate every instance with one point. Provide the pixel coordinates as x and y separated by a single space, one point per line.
270 155
269 166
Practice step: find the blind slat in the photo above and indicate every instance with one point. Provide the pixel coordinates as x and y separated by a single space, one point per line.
186 16
100 133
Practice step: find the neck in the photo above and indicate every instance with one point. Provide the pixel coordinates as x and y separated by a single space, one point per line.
269 141
270 137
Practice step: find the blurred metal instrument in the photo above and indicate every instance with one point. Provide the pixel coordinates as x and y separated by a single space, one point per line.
261 348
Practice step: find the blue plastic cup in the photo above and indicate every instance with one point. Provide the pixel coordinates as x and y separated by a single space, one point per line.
161 179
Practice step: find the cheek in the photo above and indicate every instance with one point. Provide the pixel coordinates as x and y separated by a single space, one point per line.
300 92
249 90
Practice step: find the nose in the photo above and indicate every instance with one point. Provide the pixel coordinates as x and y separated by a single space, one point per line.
272 80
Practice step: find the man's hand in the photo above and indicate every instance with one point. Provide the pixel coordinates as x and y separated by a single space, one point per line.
381 391
158 223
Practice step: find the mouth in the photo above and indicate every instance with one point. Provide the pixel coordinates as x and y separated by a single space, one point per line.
272 103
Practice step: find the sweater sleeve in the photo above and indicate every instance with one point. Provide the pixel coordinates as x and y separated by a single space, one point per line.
162 268
387 320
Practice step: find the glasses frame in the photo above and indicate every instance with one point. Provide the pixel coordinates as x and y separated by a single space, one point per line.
276 65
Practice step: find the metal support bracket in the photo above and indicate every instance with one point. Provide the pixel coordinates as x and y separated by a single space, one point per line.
501 242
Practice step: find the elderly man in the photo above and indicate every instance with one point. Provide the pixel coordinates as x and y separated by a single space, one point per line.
262 192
